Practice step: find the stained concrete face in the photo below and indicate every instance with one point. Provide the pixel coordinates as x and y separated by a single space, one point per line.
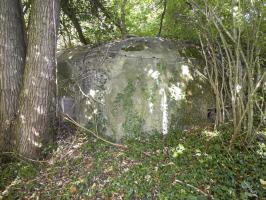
135 86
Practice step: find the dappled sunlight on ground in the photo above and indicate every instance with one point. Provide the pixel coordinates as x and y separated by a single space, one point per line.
210 134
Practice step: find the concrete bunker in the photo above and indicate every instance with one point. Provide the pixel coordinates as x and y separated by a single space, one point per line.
134 86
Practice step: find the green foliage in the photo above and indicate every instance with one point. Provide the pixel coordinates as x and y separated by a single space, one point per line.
207 166
100 20
12 167
143 17
133 124
155 167
124 98
180 21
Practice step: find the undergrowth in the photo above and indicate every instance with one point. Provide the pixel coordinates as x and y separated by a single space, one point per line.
188 166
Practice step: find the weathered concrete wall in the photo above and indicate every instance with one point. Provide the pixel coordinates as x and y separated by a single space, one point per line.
134 86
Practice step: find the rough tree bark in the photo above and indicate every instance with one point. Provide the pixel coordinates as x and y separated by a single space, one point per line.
36 98
12 58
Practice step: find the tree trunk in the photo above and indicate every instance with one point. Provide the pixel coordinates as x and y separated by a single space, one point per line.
70 13
36 98
12 58
162 18
108 14
124 31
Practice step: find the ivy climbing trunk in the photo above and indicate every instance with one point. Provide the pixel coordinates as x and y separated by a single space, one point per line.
37 95
12 58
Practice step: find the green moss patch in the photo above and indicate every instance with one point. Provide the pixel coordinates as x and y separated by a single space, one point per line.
124 98
133 124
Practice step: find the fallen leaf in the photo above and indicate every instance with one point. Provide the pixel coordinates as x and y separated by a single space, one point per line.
262 182
73 189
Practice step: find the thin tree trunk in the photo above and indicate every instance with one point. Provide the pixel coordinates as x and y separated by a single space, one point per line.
12 58
67 9
108 15
36 100
123 19
162 18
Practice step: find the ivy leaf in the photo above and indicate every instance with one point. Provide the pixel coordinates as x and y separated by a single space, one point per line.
73 189
178 150
263 182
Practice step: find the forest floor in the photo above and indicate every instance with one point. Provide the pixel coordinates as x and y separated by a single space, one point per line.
189 165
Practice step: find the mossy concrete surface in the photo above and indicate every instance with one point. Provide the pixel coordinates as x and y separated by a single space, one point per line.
134 86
